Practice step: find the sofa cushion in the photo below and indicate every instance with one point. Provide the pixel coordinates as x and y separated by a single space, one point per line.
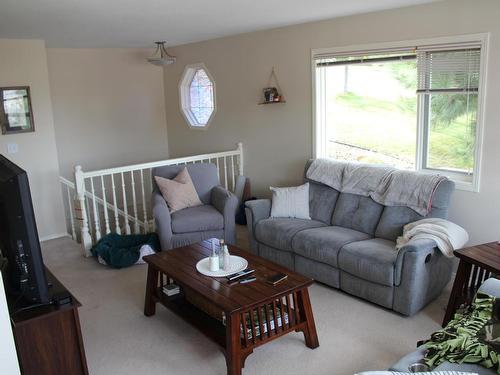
323 244
322 200
371 260
393 220
357 212
197 219
278 233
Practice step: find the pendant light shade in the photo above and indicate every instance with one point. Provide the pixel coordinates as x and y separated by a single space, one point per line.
161 56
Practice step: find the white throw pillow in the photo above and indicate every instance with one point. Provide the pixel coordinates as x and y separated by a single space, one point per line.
291 202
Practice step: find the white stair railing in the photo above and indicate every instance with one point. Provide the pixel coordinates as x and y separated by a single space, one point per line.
95 207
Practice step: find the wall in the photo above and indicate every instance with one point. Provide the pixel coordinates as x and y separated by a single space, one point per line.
278 138
24 63
8 355
109 107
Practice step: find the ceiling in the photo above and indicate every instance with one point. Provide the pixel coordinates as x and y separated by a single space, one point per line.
137 23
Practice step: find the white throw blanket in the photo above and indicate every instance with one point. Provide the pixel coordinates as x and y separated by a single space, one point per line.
447 235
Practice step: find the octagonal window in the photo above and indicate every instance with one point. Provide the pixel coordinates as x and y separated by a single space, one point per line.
197 96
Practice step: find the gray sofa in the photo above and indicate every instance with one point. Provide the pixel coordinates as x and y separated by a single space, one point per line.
349 243
214 219
491 287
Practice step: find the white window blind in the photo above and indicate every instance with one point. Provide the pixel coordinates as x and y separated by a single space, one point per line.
448 70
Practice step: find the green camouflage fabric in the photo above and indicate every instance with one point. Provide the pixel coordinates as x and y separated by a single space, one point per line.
458 342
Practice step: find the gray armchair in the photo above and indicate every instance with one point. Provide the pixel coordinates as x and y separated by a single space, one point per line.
214 219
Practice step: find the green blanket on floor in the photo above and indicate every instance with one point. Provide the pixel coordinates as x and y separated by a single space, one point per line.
458 342
123 251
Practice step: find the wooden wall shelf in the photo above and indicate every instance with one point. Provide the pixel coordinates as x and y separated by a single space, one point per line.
279 102
273 91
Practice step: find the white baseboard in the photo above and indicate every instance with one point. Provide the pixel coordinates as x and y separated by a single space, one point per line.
54 236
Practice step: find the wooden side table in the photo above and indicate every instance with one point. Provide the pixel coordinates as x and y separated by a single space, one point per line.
477 263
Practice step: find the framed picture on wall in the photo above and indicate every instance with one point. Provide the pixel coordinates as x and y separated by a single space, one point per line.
16 115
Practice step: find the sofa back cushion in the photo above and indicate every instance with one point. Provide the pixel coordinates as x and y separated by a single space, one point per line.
357 212
393 219
322 200
204 177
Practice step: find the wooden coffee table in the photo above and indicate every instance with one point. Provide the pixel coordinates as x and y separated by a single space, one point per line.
221 311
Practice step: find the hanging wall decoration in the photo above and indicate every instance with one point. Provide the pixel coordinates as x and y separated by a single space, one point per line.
272 93
16 115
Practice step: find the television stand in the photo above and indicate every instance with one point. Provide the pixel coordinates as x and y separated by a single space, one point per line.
48 338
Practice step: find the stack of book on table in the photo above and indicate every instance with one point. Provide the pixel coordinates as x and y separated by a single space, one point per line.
171 289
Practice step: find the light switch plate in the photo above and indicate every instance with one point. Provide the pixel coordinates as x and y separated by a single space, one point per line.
12 148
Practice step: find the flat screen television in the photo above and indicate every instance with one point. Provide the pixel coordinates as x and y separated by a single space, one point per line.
24 273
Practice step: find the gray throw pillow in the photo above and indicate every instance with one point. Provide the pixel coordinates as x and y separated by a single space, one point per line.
291 202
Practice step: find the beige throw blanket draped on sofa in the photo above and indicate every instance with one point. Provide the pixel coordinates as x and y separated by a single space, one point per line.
385 185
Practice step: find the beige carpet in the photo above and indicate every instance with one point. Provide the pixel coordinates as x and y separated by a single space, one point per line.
354 335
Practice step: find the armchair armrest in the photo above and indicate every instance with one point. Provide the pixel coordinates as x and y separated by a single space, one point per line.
421 249
256 211
226 203
161 214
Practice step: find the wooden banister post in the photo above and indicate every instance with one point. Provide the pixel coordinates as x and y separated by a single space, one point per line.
81 211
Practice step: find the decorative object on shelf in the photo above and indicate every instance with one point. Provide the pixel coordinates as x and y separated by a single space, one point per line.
161 56
16 115
273 94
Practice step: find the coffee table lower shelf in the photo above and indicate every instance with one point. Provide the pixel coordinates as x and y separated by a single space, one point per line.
263 321
211 327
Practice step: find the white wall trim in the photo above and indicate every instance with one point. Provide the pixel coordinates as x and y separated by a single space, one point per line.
54 236
480 38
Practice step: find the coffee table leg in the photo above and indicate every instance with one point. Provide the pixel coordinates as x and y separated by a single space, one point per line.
233 345
305 309
151 286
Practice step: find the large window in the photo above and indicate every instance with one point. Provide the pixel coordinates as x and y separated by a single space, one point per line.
415 108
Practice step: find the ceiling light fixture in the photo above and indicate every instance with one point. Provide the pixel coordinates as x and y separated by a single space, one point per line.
161 56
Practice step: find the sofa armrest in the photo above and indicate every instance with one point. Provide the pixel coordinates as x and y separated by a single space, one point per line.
491 287
226 203
420 248
161 214
421 272
256 211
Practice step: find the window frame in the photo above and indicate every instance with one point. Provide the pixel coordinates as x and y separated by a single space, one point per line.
185 98
460 179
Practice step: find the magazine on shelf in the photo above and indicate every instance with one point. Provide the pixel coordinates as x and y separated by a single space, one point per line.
263 319
171 289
